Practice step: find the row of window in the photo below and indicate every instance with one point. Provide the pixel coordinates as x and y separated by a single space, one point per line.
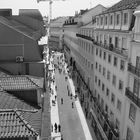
116 41
86 46
87 32
105 38
106 107
108 93
110 59
132 112
112 19
132 117
85 63
107 75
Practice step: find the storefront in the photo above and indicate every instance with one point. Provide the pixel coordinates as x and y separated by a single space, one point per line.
97 127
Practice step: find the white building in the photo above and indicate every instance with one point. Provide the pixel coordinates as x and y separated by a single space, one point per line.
105 55
132 115
56 33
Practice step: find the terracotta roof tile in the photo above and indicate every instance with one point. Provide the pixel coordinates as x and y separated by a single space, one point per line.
37 80
9 101
17 82
122 5
33 118
12 125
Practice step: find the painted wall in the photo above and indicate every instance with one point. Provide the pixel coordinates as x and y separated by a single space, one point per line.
35 69
13 43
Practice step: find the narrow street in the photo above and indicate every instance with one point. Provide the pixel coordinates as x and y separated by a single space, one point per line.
69 118
68 115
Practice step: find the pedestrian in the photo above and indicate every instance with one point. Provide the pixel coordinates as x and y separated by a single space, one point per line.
55 87
71 95
75 97
62 137
53 102
61 100
55 97
55 127
66 78
59 128
72 105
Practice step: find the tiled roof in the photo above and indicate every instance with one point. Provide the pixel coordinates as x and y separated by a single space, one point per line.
12 125
17 82
9 101
30 113
122 5
33 118
37 80
2 74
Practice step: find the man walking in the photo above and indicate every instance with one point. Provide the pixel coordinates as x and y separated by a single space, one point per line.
59 128
72 105
55 127
61 100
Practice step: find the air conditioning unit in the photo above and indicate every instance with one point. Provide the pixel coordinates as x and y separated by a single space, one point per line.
19 59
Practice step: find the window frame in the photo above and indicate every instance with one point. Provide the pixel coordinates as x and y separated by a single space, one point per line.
132 112
109 58
121 84
117 19
119 105
122 65
125 18
114 80
115 61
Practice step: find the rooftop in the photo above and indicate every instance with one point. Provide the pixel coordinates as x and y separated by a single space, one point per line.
123 5
9 101
26 30
13 125
21 82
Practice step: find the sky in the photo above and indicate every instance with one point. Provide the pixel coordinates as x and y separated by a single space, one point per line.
59 7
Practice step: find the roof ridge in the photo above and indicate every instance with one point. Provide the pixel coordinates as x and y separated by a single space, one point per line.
24 110
26 123
32 81
10 26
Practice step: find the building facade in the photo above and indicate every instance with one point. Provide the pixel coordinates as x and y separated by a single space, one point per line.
104 57
20 36
56 33
132 129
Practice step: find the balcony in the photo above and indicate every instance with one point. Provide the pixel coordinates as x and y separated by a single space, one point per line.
133 69
121 51
84 37
133 97
104 121
70 23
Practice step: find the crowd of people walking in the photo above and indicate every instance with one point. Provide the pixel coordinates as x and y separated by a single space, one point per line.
59 65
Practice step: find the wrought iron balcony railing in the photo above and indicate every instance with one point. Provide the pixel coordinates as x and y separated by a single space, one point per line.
133 97
110 47
102 116
133 69
70 23
104 120
85 37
